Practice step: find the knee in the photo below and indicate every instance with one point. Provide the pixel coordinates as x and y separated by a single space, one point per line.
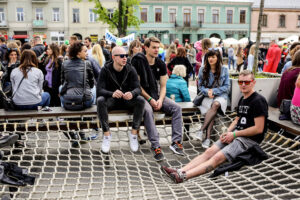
147 108
100 101
216 105
140 101
218 158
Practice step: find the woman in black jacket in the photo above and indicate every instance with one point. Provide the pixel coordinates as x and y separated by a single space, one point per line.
72 75
181 59
12 61
52 72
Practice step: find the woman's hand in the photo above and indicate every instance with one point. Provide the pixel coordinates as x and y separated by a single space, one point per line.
210 94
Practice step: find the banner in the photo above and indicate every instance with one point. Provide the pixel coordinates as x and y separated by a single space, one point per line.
109 37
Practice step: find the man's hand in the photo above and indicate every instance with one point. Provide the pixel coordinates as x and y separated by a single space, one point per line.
227 137
210 93
153 103
128 96
117 94
158 104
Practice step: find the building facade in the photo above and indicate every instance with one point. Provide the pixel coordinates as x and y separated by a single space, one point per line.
192 20
281 19
53 20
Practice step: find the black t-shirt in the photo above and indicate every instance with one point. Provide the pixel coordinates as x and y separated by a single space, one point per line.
250 108
119 75
158 69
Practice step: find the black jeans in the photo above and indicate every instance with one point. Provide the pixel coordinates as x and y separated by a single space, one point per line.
107 104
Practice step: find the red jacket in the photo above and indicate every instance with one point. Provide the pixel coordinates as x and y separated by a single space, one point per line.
273 57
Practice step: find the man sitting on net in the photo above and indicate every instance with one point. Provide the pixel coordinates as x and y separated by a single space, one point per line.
244 132
118 88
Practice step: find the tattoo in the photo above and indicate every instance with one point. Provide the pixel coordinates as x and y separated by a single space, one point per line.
208 168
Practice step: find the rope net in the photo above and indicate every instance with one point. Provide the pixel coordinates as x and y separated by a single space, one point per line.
65 172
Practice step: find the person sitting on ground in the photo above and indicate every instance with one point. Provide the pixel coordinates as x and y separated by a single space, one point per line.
295 105
247 129
72 73
12 61
177 86
181 59
288 79
152 70
214 84
28 94
118 88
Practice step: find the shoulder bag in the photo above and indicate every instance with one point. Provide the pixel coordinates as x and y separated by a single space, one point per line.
200 96
76 101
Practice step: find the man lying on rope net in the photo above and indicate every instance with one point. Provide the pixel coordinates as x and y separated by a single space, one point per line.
246 131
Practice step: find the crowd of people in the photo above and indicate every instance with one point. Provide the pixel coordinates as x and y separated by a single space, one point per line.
147 77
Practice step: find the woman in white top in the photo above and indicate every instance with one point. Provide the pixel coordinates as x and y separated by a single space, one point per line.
251 58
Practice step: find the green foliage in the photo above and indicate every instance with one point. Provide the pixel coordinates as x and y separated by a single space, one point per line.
127 19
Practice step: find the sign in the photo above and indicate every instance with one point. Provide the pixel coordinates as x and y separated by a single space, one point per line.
109 37
94 38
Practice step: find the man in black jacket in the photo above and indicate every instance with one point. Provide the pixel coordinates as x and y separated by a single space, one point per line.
118 88
38 46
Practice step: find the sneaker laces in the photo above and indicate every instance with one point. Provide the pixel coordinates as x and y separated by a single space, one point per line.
157 150
179 145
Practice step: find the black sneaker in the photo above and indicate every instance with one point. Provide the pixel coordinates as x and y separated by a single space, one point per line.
158 155
177 148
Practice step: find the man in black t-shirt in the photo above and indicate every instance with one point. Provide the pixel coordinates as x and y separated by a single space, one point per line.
152 72
118 87
245 131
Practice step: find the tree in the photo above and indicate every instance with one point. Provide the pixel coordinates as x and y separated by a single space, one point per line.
258 34
122 18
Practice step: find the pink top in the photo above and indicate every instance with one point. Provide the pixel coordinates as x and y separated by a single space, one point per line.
296 97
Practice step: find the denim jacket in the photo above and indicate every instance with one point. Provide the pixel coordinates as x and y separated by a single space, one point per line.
221 89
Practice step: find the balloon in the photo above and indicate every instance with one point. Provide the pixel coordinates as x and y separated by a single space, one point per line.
161 50
119 42
67 42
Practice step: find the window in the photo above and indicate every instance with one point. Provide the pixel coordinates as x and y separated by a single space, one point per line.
172 15
158 14
298 23
229 16
92 16
200 16
242 16
20 14
215 13
2 15
75 15
200 36
144 15
39 14
187 17
110 13
282 21
264 20
55 14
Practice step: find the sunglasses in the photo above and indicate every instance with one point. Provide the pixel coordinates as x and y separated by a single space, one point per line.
122 55
246 82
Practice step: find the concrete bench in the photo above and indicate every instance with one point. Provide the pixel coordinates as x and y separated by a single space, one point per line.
287 125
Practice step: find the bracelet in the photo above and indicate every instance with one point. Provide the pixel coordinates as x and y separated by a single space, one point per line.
234 134
149 99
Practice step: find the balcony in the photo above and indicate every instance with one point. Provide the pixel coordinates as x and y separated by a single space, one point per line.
39 1
3 24
187 25
39 24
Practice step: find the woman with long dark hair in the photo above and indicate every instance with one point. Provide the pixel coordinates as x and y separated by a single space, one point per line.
52 71
214 84
11 61
29 95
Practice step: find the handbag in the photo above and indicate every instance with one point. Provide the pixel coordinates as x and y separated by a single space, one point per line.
285 109
7 102
76 101
200 96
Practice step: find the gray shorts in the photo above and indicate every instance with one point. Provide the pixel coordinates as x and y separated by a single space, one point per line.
236 147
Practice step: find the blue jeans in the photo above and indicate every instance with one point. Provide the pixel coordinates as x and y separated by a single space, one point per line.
230 60
45 102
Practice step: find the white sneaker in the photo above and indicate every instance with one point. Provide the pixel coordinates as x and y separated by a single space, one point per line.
106 144
206 143
199 135
133 141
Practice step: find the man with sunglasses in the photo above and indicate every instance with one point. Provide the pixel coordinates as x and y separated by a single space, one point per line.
118 87
151 71
244 132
